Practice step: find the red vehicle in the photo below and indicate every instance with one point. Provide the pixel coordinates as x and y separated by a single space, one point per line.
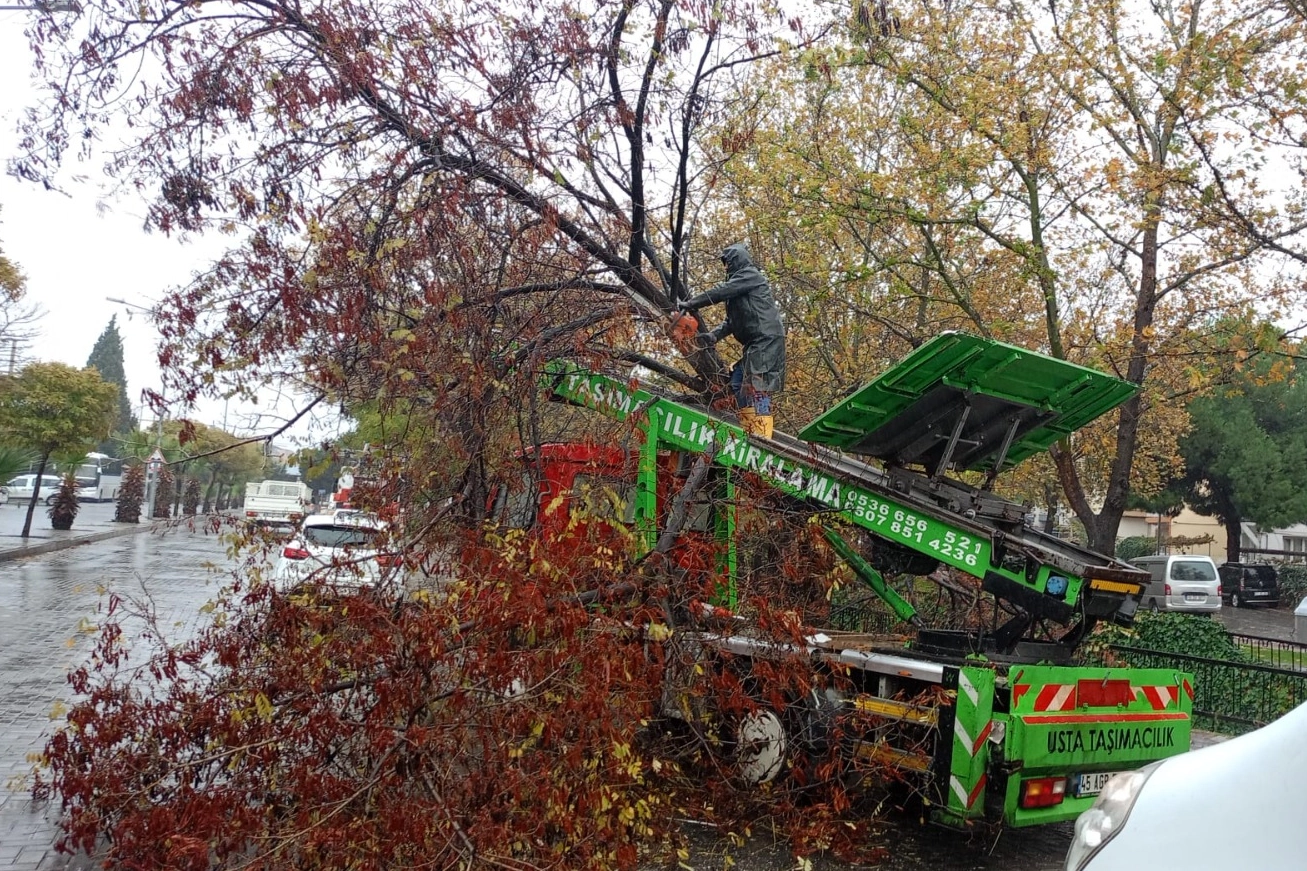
583 489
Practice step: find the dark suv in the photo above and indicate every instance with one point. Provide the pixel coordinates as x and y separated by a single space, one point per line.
1249 584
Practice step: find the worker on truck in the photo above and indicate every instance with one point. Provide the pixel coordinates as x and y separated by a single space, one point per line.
752 318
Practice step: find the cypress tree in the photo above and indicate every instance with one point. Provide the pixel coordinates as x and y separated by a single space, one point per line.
107 358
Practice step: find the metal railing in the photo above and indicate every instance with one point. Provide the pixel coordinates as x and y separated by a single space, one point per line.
1275 652
1230 697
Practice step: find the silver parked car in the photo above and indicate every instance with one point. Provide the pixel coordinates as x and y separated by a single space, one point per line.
1234 805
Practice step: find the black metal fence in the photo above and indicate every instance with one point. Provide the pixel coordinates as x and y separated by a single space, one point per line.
1275 652
1229 697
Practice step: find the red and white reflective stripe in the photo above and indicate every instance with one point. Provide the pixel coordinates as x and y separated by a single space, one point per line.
1158 697
967 798
968 688
967 741
1056 697
1188 689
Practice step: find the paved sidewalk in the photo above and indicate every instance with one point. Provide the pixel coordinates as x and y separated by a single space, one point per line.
26 837
94 522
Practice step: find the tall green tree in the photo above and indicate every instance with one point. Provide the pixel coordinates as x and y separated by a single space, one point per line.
1246 455
107 358
1085 178
53 408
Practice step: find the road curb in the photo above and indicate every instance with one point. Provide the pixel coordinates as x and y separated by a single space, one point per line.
14 553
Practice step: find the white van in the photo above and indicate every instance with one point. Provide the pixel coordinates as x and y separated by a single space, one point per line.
20 488
1181 582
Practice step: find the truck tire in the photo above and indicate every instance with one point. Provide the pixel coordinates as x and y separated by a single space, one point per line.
761 745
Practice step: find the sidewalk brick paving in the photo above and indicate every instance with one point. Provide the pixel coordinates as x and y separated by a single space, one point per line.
43 599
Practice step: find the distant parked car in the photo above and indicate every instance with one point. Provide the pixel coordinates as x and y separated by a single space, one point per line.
342 550
1233 805
20 488
1249 584
1180 582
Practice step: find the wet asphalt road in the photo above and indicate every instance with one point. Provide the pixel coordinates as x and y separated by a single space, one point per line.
46 602
45 599
1264 622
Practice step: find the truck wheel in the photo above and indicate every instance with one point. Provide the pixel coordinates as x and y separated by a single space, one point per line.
761 745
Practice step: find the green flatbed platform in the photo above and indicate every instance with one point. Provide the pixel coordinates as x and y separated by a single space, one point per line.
967 403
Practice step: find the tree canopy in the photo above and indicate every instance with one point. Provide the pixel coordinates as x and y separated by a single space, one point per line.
53 408
1088 179
1246 453
16 315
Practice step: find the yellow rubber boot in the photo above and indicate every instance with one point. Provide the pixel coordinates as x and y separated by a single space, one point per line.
762 425
748 420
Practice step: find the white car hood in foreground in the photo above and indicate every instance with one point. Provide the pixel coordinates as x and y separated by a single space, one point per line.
1240 804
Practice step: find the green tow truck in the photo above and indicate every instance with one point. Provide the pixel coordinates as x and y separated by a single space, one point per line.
1016 731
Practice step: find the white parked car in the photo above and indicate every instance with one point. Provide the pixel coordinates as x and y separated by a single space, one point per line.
20 488
343 550
1234 805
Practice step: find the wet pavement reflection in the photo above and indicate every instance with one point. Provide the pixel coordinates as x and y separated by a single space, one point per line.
47 605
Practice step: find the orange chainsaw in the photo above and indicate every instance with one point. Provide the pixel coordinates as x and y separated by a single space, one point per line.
682 328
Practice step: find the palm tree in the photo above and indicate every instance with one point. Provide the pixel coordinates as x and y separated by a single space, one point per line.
12 462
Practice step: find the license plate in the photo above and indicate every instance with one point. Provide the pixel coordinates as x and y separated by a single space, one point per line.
1260 594
1195 597
1092 783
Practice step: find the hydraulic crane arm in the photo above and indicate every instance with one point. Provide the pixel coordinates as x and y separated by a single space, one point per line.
1044 576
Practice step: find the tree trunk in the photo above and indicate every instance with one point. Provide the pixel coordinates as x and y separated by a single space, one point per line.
36 494
1233 540
1050 498
208 493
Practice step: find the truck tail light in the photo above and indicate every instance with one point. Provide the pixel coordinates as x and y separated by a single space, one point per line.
251 514
1219 590
389 560
292 552
1168 589
1043 792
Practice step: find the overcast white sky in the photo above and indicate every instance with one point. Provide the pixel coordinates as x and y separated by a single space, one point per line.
75 256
